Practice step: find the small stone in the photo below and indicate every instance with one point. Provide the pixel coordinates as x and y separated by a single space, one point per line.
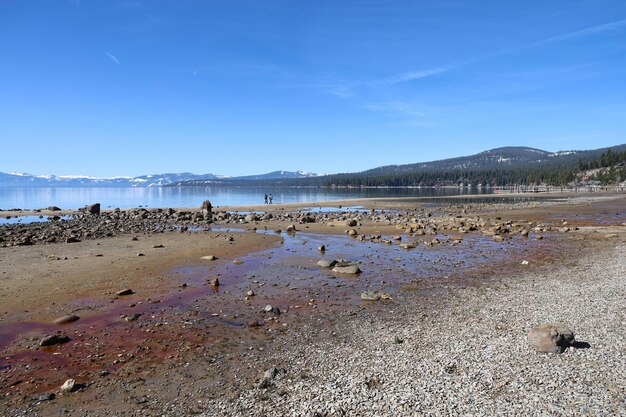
66 319
157 246
209 257
127 291
326 263
140 254
352 232
250 293
525 262
132 317
375 296
268 308
47 396
215 282
370 296
347 269
291 228
237 261
68 386
57 339
351 223
321 248
610 235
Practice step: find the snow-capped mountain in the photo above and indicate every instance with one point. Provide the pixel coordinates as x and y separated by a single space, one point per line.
155 180
275 175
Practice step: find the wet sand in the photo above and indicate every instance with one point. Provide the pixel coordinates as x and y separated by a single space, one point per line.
192 343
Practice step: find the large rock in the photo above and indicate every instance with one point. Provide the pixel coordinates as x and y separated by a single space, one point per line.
550 337
207 211
93 208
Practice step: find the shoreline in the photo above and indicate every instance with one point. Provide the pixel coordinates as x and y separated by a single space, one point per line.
368 203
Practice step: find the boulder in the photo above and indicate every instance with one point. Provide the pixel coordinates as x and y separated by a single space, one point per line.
551 338
93 208
207 208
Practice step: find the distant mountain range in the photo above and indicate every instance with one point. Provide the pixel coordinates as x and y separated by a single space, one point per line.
498 158
154 180
470 168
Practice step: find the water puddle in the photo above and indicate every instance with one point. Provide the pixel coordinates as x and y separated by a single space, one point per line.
194 313
32 219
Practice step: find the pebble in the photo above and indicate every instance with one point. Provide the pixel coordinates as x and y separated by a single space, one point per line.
66 319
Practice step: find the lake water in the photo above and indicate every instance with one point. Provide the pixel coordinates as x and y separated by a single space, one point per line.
73 198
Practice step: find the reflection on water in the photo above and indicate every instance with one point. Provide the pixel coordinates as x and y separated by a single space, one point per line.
30 219
73 198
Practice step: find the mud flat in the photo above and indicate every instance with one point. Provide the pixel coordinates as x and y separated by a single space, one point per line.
469 282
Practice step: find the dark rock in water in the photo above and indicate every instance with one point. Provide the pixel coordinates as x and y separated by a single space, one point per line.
93 208
351 223
551 338
66 319
57 339
127 291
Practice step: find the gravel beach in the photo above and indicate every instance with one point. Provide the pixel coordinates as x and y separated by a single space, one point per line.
467 356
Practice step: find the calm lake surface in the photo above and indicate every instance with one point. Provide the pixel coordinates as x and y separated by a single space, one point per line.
73 198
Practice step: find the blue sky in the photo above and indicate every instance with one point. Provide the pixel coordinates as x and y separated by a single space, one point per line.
105 87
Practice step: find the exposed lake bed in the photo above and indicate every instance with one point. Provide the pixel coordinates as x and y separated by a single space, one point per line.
179 344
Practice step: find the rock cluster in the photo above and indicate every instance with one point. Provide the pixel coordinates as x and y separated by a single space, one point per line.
84 225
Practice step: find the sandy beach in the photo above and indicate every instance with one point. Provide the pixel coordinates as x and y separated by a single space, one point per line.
470 281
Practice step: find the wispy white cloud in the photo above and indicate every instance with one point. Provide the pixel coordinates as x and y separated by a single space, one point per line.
410 76
583 33
112 57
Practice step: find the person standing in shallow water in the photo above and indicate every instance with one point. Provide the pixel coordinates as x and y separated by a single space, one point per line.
265 198
271 198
